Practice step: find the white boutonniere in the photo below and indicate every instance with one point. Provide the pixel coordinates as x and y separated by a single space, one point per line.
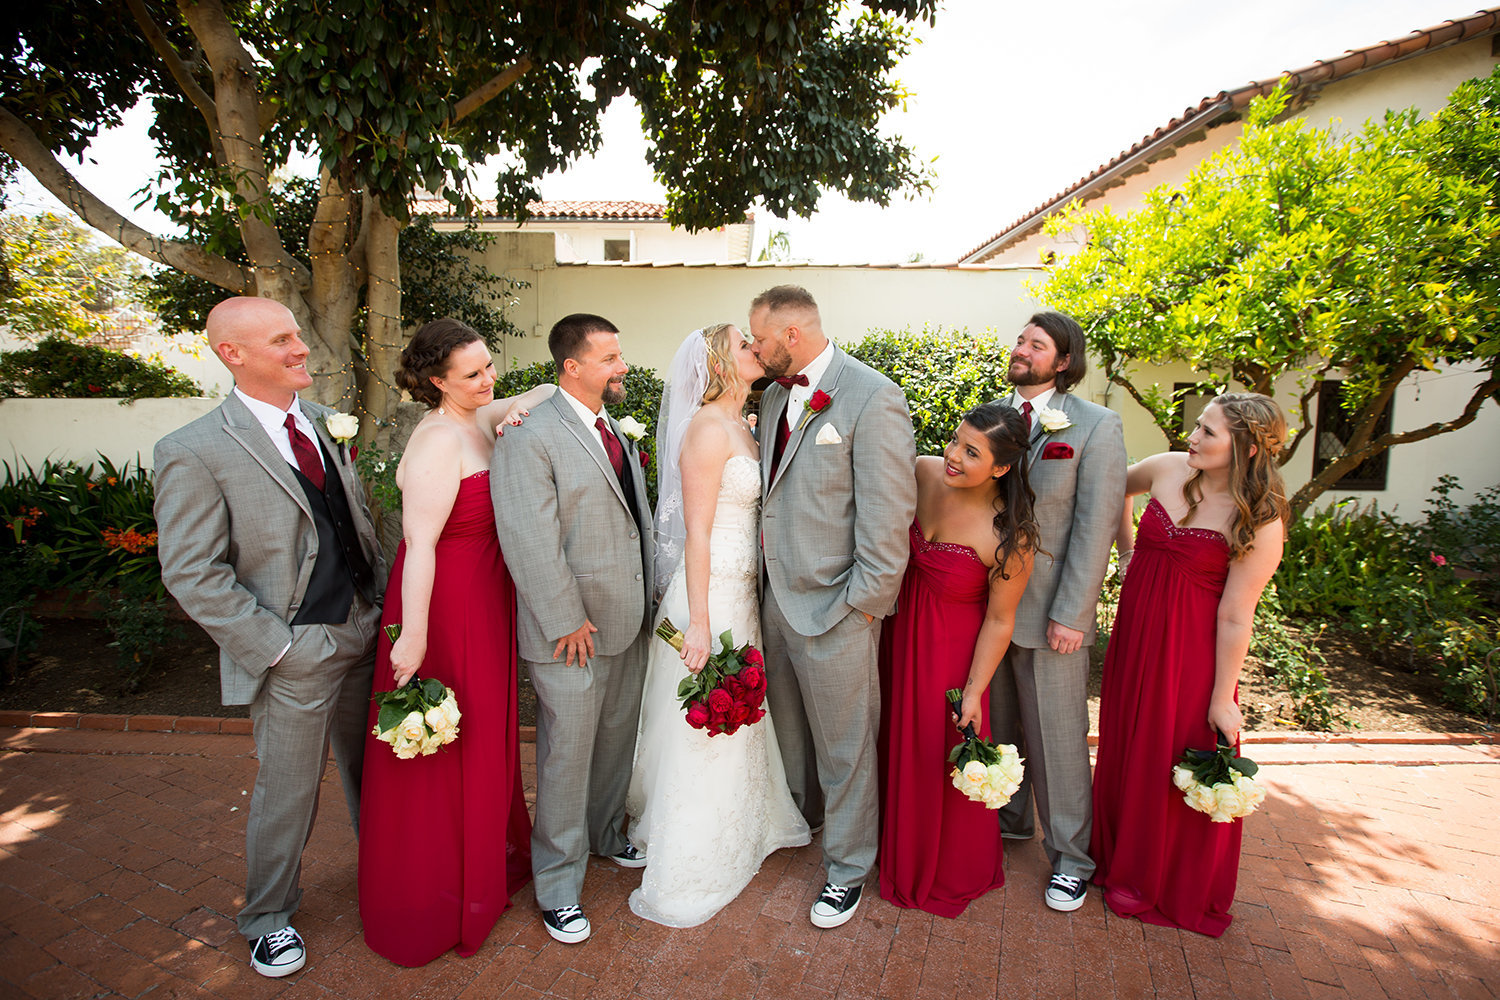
341 426
1053 420
632 428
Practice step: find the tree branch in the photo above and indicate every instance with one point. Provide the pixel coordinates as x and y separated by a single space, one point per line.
180 72
1351 459
1305 407
487 91
22 145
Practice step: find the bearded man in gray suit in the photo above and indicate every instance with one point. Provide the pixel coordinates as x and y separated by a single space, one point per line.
266 541
575 526
1040 692
839 488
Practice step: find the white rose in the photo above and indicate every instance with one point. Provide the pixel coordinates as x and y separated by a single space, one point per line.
388 736
1202 798
632 428
405 749
1182 778
1053 419
412 729
975 773
342 426
1231 802
443 715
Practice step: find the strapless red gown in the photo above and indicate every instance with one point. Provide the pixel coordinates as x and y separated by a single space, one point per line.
445 839
939 850
1158 859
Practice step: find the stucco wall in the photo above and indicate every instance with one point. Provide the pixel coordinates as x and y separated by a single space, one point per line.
653 241
80 430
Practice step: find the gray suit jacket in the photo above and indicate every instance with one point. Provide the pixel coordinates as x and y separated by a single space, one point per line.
835 519
1078 505
567 533
237 540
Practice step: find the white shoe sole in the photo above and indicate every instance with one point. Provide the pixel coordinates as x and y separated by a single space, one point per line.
277 971
569 937
637 863
836 920
1065 905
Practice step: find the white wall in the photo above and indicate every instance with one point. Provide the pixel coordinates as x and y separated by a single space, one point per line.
650 240
80 430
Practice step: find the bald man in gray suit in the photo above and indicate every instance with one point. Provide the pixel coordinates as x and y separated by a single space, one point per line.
266 541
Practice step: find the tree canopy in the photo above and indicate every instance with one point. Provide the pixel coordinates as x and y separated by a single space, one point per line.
774 102
58 278
1297 255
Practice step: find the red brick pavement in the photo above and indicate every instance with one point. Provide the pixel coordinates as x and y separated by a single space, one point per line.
121 868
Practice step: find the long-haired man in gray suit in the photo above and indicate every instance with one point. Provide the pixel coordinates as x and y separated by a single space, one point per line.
839 487
575 526
266 541
1041 689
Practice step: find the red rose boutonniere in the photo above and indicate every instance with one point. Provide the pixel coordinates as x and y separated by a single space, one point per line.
817 404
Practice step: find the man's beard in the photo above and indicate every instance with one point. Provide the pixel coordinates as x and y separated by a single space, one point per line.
1030 376
614 396
776 364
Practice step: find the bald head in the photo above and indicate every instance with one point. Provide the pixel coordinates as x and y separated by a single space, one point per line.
259 341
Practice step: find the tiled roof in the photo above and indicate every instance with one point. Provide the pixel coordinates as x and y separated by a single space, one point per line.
1215 109
558 210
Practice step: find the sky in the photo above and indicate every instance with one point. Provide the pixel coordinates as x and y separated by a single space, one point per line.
1010 104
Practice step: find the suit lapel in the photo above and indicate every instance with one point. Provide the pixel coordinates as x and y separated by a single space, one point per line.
241 425
588 437
770 420
828 385
331 448
1060 401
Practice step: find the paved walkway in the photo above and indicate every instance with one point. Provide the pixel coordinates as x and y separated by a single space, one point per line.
1372 871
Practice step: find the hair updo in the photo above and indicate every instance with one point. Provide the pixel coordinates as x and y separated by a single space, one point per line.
426 358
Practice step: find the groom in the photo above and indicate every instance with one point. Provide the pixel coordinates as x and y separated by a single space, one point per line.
575 528
837 460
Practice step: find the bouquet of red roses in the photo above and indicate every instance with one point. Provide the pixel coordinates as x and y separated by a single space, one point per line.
730 689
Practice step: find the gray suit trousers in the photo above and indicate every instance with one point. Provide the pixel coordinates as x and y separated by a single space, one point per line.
1039 702
582 770
317 695
824 696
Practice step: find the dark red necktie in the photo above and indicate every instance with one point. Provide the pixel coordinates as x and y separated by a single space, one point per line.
783 434
612 447
787 381
307 454
1026 412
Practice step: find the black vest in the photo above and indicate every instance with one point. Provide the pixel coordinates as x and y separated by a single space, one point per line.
341 567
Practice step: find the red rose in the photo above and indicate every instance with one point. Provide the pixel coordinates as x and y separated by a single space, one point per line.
735 687
719 703
738 715
819 400
753 657
754 679
353 452
697 715
755 699
756 714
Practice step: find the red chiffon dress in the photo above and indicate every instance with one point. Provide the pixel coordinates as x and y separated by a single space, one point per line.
1158 859
938 849
444 840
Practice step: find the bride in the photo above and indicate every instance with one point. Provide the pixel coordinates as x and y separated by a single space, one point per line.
706 810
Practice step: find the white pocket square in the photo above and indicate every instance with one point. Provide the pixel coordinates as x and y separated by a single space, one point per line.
828 435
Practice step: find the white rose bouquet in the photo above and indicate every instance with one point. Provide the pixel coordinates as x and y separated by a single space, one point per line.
1218 782
418 718
983 771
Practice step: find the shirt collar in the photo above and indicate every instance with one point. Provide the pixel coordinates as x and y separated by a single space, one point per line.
818 366
1037 403
272 417
588 416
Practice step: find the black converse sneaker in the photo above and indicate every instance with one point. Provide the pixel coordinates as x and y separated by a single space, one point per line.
279 953
567 924
630 857
835 905
1065 892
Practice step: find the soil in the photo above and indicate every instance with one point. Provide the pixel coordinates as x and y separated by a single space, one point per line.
72 669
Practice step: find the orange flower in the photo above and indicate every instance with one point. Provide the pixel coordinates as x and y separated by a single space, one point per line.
111 480
131 541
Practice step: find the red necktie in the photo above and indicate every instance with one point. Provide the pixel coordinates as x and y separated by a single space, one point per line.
1026 412
787 381
307 455
783 434
612 448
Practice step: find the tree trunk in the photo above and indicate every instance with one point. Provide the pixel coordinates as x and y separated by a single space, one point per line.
383 333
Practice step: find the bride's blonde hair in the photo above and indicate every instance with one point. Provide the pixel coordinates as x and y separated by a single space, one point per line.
723 369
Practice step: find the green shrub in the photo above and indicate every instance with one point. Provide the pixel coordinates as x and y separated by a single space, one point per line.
80 528
1465 538
61 369
1296 664
944 374
643 389
141 628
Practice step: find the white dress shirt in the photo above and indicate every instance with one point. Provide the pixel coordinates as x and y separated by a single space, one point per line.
273 419
590 418
798 395
1038 401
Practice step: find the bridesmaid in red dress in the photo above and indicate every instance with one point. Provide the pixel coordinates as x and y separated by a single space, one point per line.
1208 542
445 839
971 548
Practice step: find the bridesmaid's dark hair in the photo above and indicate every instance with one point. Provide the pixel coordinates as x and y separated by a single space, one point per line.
1004 429
426 357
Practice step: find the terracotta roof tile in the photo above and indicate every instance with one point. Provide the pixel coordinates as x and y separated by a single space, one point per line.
1211 110
646 211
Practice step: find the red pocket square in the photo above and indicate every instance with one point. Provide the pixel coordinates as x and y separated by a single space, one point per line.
1058 449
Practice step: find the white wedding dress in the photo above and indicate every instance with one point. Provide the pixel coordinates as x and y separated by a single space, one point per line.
708 810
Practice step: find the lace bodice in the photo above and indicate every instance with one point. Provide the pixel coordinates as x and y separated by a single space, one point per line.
733 550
